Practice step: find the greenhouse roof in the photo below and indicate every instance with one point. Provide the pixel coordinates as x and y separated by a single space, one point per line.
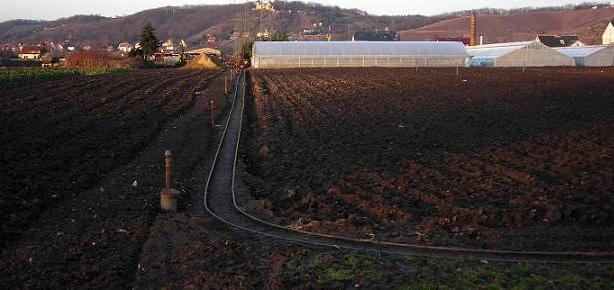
498 49
581 51
357 48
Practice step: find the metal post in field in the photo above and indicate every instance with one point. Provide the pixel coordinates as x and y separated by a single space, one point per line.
225 85
168 160
211 114
168 195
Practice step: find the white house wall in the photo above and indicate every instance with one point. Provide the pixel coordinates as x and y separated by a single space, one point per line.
608 35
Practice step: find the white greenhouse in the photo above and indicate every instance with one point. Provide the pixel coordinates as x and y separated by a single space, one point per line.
594 55
516 54
304 54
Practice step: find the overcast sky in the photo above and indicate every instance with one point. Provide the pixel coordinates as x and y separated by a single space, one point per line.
49 10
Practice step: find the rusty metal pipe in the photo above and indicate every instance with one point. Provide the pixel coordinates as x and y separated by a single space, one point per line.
168 195
168 160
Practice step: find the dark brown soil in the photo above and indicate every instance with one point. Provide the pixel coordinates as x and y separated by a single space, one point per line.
103 232
82 170
490 158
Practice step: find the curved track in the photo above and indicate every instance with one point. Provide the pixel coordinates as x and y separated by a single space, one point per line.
219 201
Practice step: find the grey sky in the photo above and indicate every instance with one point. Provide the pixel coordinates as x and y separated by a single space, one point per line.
48 10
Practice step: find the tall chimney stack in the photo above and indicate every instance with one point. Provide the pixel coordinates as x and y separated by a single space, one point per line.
473 41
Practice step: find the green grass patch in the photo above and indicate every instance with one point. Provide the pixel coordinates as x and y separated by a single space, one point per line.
326 270
15 75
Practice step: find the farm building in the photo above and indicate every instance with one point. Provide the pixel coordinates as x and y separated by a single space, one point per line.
608 34
31 52
516 54
294 54
594 55
559 41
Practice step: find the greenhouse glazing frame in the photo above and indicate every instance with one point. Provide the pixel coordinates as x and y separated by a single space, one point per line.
517 54
590 56
295 54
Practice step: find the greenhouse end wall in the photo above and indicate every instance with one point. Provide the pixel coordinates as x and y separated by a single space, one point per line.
517 54
535 58
604 58
591 56
320 54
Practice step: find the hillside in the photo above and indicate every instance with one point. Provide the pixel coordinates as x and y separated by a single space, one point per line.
193 23
589 24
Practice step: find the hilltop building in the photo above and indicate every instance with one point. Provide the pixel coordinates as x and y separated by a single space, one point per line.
608 35
559 41
265 6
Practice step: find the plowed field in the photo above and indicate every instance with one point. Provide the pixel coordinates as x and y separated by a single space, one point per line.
81 163
488 159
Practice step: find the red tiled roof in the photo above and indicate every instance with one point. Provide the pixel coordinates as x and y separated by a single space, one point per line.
31 50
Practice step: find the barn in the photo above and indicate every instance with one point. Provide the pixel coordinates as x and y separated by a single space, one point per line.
516 54
594 55
305 54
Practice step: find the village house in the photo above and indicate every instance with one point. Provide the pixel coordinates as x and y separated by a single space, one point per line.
8 50
608 34
560 41
125 47
234 36
31 52
168 46
211 38
55 49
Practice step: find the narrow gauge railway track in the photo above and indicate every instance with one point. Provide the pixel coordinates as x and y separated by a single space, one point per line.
220 202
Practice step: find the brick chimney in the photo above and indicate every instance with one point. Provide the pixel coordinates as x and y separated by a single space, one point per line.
473 38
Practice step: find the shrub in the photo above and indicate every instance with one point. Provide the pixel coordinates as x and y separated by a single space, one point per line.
97 60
